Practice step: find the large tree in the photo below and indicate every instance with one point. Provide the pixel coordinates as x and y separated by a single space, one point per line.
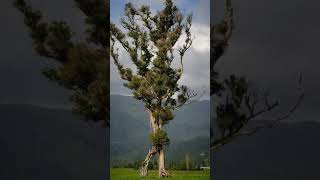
237 104
82 67
150 41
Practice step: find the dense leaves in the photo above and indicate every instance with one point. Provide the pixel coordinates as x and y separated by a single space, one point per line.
83 67
150 39
159 138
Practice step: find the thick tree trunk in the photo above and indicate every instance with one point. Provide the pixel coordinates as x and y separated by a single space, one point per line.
161 162
154 125
144 166
153 122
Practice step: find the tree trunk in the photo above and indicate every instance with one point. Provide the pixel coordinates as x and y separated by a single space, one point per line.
161 162
188 161
153 122
144 166
154 125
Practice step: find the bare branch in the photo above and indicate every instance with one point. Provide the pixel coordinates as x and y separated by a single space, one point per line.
268 123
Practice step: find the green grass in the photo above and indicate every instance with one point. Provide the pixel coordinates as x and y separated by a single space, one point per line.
130 174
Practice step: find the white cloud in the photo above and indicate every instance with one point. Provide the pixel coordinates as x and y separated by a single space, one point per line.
201 34
202 37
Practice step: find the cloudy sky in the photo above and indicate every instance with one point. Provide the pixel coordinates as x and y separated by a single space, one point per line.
273 42
20 67
197 59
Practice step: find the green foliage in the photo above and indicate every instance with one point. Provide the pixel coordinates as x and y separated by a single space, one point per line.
159 138
149 40
83 67
97 17
164 114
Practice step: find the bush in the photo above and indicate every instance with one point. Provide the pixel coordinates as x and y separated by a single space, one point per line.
159 138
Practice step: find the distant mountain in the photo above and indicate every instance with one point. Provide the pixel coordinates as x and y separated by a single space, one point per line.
39 143
188 132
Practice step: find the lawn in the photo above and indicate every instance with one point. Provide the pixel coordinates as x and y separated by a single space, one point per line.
130 174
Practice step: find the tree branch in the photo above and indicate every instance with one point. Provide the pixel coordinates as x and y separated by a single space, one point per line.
270 123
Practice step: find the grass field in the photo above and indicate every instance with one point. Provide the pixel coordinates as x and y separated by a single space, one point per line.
130 174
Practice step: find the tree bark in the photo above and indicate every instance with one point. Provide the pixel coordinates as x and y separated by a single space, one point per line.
144 166
163 173
153 122
154 125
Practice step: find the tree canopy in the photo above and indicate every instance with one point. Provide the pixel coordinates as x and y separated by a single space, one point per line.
150 41
83 67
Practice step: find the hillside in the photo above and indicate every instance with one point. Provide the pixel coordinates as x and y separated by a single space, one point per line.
39 143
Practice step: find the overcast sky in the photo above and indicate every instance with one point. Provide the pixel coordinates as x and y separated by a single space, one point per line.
273 42
196 60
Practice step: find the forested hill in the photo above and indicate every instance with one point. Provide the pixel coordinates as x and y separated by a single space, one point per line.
40 143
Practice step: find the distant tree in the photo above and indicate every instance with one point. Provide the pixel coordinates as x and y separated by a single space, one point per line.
130 165
237 103
173 165
83 67
149 39
188 162
137 164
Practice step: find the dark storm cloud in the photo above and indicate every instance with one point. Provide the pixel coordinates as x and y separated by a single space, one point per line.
20 68
272 43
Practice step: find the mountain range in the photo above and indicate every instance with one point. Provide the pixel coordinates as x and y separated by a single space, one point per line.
189 131
46 143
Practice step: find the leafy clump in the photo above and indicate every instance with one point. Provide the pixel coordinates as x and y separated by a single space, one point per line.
159 138
79 66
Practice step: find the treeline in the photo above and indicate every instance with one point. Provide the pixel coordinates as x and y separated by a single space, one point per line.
185 165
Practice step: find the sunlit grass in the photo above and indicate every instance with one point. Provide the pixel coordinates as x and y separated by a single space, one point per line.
130 174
